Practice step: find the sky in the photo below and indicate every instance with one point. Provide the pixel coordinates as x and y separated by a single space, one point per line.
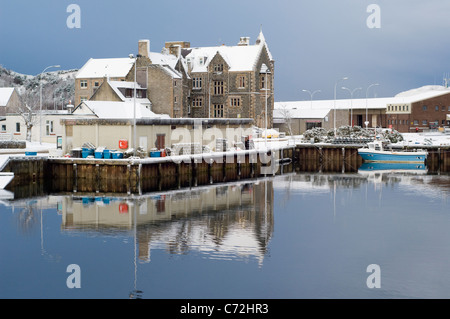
400 45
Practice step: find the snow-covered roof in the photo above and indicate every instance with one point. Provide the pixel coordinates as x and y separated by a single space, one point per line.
5 95
116 85
163 59
117 110
238 58
300 112
306 109
99 68
422 93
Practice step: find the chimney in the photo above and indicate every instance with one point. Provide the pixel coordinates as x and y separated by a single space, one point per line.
244 41
144 48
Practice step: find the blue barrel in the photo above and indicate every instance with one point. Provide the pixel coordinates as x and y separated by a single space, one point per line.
98 154
117 155
155 154
106 153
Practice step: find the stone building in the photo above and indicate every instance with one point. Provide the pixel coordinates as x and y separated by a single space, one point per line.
232 81
206 82
90 77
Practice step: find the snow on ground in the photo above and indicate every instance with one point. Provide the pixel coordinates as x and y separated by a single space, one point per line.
30 147
428 138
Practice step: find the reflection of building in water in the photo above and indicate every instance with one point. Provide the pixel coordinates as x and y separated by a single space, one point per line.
225 221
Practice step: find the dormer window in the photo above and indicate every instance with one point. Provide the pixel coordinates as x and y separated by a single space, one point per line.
218 67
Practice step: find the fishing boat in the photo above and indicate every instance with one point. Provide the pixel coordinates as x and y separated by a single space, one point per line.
376 152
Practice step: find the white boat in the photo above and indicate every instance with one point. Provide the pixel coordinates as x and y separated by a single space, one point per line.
375 152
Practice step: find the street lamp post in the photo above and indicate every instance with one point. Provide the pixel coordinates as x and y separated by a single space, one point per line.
134 104
40 100
311 94
351 103
265 70
367 118
334 117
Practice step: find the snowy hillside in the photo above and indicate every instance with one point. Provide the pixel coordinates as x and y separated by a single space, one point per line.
58 87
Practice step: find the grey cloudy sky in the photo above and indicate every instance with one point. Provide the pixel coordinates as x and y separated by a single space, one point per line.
314 42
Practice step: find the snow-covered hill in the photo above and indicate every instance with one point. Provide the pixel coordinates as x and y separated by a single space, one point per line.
58 87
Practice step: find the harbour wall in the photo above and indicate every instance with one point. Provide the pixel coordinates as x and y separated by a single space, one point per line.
157 174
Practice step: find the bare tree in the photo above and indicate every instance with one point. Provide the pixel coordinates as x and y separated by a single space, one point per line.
28 109
286 116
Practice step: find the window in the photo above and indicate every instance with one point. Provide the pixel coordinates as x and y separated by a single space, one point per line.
404 108
218 110
449 108
17 127
241 82
416 122
174 83
235 102
197 102
218 67
407 108
3 127
263 81
96 84
436 108
83 98
48 127
424 122
443 108
218 87
197 83
424 108
83 84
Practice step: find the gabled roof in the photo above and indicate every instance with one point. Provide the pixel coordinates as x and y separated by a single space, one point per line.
5 95
99 68
238 58
117 85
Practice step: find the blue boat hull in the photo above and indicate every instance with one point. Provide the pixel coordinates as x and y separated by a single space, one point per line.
393 157
392 167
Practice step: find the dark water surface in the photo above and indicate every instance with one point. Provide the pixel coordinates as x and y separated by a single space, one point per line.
290 236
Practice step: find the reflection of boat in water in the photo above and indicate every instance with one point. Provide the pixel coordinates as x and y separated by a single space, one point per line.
5 179
409 168
375 152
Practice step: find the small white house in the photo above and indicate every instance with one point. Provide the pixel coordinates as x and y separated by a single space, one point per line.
15 125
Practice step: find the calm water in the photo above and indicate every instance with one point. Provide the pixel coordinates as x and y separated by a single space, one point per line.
290 236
